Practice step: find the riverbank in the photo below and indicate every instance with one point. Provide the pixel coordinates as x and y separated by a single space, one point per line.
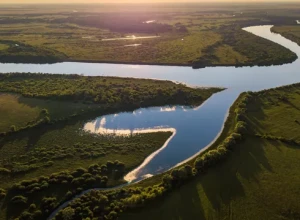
194 66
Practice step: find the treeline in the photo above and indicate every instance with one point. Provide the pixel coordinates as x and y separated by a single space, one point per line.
23 53
31 206
103 90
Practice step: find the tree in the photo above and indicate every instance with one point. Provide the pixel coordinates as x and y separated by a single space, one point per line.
19 200
68 213
167 181
13 128
45 112
32 207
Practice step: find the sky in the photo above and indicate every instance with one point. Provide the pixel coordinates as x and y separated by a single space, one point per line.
132 1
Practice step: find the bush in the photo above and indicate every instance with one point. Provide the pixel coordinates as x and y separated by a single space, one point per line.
49 164
241 127
67 213
19 200
32 207
48 203
167 181
25 216
37 214
13 128
2 193
45 112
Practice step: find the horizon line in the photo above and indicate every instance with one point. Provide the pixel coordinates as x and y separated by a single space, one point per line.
162 2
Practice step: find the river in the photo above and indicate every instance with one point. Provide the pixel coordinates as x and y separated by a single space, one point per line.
193 128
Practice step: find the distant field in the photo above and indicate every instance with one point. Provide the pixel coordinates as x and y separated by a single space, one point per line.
193 34
260 177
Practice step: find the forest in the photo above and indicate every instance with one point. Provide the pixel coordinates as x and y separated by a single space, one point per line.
132 93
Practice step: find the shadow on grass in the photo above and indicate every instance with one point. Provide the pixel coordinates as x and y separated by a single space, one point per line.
222 184
183 203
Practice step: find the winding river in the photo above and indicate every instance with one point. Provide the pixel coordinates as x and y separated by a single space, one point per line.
193 128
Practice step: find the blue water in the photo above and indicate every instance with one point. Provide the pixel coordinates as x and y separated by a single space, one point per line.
195 128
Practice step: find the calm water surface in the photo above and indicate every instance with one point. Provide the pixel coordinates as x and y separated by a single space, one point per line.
194 129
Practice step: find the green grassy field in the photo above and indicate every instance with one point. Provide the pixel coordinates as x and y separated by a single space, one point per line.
188 34
45 155
258 180
20 111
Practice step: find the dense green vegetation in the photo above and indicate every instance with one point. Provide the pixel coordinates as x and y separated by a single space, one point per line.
192 34
45 155
254 167
290 32
121 92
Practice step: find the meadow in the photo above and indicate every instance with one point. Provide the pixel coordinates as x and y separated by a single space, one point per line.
19 111
43 146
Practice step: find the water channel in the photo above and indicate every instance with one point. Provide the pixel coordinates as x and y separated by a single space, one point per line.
193 128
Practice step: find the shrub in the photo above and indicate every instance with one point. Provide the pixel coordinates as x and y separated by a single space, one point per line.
48 203
13 128
241 127
45 112
19 200
2 193
32 207
67 213
37 214
79 172
25 216
69 194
